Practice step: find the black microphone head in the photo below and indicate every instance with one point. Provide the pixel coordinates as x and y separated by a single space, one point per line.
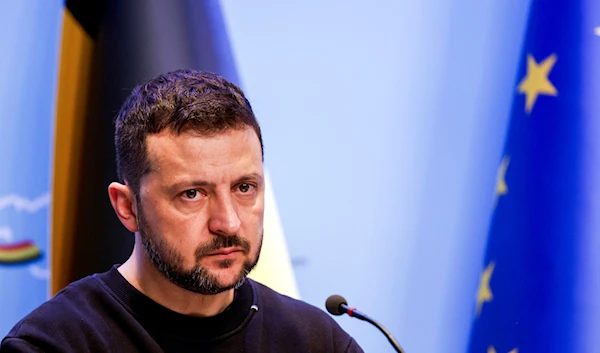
334 304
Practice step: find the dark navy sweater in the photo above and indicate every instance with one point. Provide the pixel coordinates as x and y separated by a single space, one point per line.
104 313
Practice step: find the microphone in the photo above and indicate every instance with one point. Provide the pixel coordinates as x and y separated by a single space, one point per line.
337 305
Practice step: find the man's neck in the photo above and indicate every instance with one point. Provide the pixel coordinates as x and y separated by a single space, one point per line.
143 275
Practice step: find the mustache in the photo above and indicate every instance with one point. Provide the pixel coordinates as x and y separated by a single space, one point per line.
220 242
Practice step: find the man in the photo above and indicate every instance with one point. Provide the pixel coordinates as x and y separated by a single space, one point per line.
190 164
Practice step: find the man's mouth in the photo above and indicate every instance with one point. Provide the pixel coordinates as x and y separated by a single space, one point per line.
226 253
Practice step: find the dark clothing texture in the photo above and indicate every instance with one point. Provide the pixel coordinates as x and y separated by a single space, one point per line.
104 313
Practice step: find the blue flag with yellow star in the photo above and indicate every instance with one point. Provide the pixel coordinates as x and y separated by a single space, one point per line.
539 289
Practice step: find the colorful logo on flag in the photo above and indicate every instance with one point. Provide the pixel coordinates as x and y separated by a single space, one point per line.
13 251
20 252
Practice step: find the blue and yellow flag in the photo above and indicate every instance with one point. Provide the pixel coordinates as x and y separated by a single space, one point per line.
539 289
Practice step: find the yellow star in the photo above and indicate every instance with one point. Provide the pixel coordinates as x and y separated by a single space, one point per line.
536 81
501 187
492 350
484 293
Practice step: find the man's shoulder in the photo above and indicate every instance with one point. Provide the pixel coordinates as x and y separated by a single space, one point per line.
59 318
276 301
72 300
307 324
285 311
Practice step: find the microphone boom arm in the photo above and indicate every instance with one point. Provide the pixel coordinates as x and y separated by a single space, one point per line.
357 314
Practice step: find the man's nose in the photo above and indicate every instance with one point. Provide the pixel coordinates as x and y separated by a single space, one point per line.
224 219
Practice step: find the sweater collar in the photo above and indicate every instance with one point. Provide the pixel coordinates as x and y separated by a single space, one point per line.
157 317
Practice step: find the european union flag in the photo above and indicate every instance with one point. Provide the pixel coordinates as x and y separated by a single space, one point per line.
540 284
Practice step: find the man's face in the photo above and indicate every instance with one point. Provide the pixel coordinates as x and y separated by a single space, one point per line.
201 207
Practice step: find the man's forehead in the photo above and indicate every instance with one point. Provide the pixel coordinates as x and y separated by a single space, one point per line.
192 151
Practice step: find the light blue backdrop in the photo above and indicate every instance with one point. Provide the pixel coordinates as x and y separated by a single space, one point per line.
384 125
29 40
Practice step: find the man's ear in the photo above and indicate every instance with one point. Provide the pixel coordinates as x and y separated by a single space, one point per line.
123 202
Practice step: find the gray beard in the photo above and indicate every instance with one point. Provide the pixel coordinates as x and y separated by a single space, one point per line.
169 261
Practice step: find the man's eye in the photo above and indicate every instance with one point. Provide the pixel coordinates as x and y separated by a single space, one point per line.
191 194
245 188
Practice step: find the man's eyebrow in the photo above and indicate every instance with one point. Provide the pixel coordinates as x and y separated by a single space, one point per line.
190 185
202 183
249 177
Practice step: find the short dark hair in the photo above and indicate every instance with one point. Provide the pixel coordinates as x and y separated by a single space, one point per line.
180 100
